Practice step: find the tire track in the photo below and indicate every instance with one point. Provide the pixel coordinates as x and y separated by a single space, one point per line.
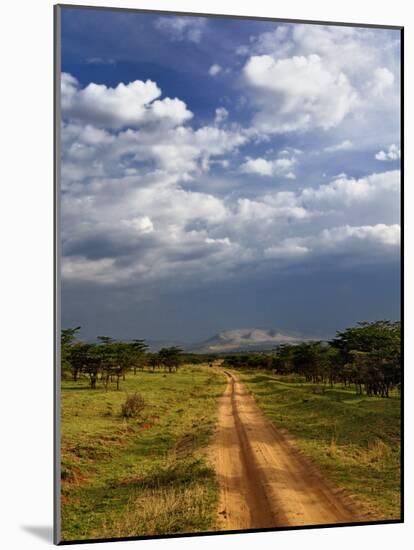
264 481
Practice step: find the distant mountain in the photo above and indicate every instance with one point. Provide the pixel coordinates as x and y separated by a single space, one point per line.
246 339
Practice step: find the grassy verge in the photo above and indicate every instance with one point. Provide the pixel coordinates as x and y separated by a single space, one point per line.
354 439
141 476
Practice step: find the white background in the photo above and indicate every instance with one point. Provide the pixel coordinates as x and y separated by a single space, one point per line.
26 205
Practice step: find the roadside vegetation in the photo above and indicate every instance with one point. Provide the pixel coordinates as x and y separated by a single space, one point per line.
341 403
133 445
366 357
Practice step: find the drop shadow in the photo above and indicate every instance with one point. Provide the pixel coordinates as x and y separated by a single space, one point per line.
43 532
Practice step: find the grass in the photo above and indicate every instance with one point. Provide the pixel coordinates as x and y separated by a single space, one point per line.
145 475
354 439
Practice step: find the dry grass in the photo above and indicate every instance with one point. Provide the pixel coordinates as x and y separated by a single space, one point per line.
376 454
354 439
162 511
145 475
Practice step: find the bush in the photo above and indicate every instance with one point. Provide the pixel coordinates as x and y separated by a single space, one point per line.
133 405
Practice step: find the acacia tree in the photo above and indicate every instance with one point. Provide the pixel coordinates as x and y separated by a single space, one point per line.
107 359
68 338
123 359
77 358
367 355
371 355
282 359
85 359
308 360
153 360
138 350
116 359
92 365
170 358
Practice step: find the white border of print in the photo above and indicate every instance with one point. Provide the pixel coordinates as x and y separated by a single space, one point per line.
27 272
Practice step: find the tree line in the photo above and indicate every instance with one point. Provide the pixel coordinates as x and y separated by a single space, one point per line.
366 356
109 360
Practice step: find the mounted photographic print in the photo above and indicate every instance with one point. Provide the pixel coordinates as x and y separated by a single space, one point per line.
228 274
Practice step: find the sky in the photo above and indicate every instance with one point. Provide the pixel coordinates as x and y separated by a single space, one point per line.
222 173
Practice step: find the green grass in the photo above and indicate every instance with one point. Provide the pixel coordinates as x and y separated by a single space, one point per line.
141 476
354 439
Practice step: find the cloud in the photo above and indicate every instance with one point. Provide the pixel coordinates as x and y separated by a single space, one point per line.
99 271
275 42
163 213
131 105
182 28
393 153
272 208
221 115
306 77
138 206
382 79
100 61
288 249
128 220
136 230
344 191
343 146
123 206
100 137
214 70
175 154
385 235
303 93
141 224
348 241
262 167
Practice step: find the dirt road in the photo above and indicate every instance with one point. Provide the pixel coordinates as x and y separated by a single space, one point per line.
264 480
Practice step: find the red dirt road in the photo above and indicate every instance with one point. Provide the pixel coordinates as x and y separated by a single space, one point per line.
264 481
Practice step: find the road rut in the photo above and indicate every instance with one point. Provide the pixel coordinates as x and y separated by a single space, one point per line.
264 480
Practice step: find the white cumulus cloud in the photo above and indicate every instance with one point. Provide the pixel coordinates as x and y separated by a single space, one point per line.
263 167
308 77
344 191
132 104
299 92
393 153
387 235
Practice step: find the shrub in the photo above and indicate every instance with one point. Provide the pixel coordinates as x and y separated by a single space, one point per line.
134 404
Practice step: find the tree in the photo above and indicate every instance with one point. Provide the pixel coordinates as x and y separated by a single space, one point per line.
115 357
106 340
308 360
138 349
282 359
67 340
84 359
153 360
170 358
371 355
367 355
92 364
106 360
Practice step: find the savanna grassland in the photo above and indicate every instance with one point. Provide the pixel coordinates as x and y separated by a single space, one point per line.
353 438
138 457
142 475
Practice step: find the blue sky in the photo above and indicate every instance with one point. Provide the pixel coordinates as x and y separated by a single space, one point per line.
221 173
